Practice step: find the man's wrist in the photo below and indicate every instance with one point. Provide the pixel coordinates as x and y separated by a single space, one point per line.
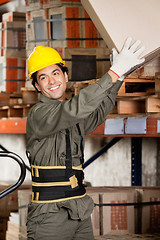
113 76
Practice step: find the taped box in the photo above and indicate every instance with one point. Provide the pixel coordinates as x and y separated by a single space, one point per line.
13 39
24 198
37 29
92 37
13 74
92 63
37 4
133 21
33 4
57 3
66 27
37 26
118 219
14 17
151 212
70 26
96 211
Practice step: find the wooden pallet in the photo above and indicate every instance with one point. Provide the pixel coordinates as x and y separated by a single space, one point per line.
143 104
26 96
15 111
136 96
133 86
80 85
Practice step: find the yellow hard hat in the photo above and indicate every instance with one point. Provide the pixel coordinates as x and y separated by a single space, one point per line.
42 57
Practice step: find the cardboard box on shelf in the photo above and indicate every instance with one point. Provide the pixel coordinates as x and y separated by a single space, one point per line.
24 198
37 27
91 63
13 17
29 95
13 39
115 29
58 3
91 36
10 202
118 219
37 4
150 213
29 49
71 26
96 211
33 4
66 26
13 74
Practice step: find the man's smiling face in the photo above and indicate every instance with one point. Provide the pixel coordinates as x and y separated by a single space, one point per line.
52 82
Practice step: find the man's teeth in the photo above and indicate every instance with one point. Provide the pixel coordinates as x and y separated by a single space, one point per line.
53 88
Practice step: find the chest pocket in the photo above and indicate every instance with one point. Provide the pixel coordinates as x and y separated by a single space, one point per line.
76 145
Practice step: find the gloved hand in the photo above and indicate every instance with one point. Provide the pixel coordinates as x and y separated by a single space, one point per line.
127 58
111 61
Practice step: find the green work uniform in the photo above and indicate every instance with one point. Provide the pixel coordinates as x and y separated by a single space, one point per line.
46 146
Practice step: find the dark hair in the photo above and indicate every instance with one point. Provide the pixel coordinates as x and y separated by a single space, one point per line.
34 75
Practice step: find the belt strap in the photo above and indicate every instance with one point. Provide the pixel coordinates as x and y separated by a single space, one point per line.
81 144
68 161
52 184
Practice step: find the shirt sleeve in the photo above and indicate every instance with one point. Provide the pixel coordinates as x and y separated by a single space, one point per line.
98 116
47 119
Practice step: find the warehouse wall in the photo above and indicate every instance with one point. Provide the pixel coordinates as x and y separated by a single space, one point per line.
111 169
9 169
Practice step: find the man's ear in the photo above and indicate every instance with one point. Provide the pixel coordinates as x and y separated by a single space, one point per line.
37 87
66 76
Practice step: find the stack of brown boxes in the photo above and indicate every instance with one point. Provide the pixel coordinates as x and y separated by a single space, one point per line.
118 211
66 26
12 51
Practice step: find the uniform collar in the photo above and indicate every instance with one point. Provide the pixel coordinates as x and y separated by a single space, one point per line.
49 100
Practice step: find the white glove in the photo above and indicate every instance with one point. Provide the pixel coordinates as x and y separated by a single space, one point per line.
111 61
127 58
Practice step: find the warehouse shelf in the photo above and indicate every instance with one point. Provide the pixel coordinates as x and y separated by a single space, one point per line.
18 126
4 1
151 130
13 125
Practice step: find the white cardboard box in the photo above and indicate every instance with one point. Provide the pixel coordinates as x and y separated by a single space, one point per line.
118 19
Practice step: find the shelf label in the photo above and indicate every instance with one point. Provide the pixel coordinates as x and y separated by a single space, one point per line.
114 126
158 126
136 125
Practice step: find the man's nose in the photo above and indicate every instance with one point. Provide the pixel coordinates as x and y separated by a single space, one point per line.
51 80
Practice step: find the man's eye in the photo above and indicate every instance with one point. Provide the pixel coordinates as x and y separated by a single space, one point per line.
56 73
42 78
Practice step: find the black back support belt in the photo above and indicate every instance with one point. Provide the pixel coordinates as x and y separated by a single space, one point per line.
59 183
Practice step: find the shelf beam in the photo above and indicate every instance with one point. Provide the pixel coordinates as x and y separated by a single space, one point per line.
18 126
13 126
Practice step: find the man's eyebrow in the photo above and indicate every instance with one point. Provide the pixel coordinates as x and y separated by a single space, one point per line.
43 74
55 70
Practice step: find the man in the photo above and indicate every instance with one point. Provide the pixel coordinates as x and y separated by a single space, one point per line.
60 208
